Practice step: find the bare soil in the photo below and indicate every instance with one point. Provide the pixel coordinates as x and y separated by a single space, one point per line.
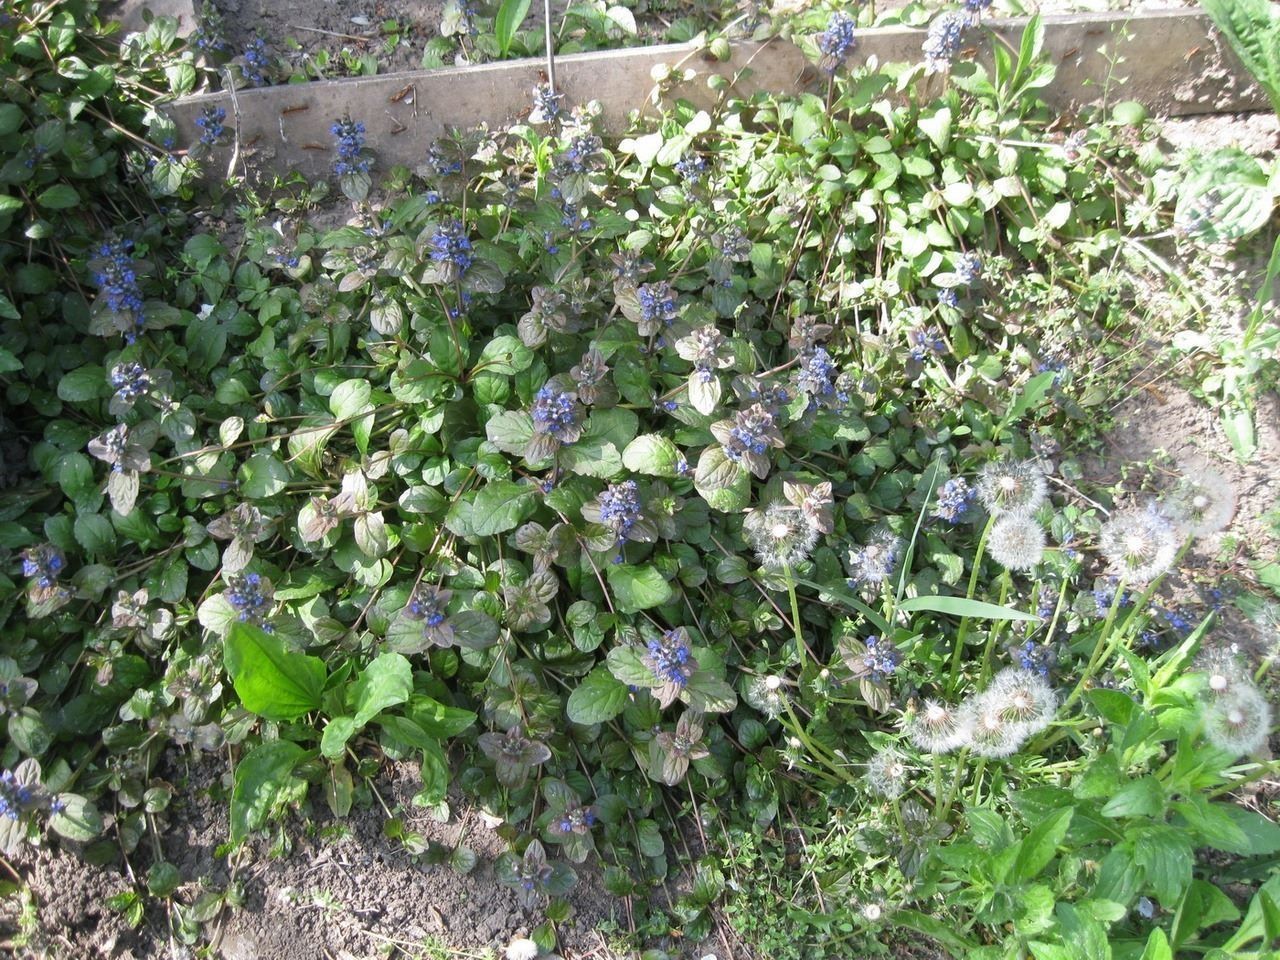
344 890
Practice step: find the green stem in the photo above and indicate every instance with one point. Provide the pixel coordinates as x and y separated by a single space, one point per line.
1006 581
1099 648
954 786
973 588
795 618
820 754
977 780
1265 769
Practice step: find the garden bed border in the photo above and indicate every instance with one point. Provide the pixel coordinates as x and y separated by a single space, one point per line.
1173 62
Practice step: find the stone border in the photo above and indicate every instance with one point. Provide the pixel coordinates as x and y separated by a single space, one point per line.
1171 61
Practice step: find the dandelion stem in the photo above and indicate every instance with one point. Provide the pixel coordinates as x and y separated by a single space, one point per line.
956 779
1099 648
1006 581
795 617
977 780
973 588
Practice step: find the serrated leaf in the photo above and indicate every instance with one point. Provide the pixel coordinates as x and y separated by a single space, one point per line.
598 698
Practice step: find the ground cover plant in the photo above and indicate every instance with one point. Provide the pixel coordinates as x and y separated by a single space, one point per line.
651 493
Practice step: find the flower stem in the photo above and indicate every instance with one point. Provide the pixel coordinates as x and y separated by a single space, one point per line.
973 588
1100 649
954 786
1006 581
795 618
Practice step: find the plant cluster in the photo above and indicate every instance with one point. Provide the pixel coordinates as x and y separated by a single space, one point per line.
617 481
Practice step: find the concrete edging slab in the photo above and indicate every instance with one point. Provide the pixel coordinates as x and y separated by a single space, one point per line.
1171 61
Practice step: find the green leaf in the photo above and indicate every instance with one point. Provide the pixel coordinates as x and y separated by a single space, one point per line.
637 588
83 384
1164 853
651 454
11 117
1224 195
504 356
434 771
263 475
337 732
261 776
510 16
809 119
935 929
598 698
963 607
79 819
272 682
438 719
626 664
385 682
592 457
725 485
1143 797
937 127
501 505
61 196
1030 396
1038 847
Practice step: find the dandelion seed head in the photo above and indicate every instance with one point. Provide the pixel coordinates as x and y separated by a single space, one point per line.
1012 487
1139 544
887 773
766 695
1024 698
987 732
934 728
1238 722
875 562
780 534
1016 542
1203 502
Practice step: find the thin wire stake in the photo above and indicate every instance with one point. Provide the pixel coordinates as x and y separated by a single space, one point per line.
551 55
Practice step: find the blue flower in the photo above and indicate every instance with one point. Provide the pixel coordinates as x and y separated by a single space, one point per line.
130 381
43 563
546 105
1036 658
116 276
925 341
17 799
836 42
256 63
250 596
571 217
210 124
657 303
955 498
352 159
620 507
948 297
816 377
669 658
429 604
880 660
450 244
691 168
969 269
556 414
582 155
946 33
